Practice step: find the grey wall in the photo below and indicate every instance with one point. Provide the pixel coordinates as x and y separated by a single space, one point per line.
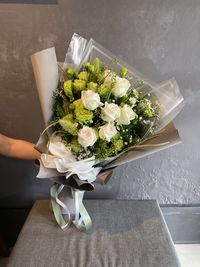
159 38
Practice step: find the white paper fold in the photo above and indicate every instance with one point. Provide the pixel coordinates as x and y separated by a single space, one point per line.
62 161
46 75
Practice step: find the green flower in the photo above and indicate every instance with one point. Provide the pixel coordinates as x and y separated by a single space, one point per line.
68 124
79 85
115 138
123 72
83 75
92 86
82 115
97 66
71 73
104 91
149 113
118 146
89 67
68 89
78 104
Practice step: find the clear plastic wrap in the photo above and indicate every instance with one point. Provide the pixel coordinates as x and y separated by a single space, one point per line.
167 94
75 52
170 100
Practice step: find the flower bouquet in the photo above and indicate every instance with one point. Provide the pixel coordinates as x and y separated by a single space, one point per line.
99 113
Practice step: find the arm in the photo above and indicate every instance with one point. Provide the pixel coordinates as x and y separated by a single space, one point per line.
17 148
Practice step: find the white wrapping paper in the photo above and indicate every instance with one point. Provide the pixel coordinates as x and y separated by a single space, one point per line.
46 75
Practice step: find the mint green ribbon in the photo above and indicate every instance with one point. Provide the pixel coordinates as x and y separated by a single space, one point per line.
84 223
57 208
82 220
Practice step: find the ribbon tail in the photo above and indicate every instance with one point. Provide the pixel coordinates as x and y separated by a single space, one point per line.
82 220
56 206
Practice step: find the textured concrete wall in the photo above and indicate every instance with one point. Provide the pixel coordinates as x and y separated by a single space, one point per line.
159 38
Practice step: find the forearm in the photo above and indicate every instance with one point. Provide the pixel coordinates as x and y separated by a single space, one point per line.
24 150
17 148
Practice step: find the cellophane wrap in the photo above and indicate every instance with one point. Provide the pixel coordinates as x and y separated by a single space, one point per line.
69 192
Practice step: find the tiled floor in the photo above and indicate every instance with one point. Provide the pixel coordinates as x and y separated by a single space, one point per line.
189 256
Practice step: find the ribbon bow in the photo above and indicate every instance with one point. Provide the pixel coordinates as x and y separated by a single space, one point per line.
58 162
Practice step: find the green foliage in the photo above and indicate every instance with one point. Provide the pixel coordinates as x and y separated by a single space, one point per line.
58 110
104 149
118 146
100 78
75 146
135 94
123 100
65 105
144 108
97 66
68 89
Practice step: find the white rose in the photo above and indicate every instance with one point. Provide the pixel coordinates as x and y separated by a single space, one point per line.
107 131
86 136
121 87
110 112
90 99
126 115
